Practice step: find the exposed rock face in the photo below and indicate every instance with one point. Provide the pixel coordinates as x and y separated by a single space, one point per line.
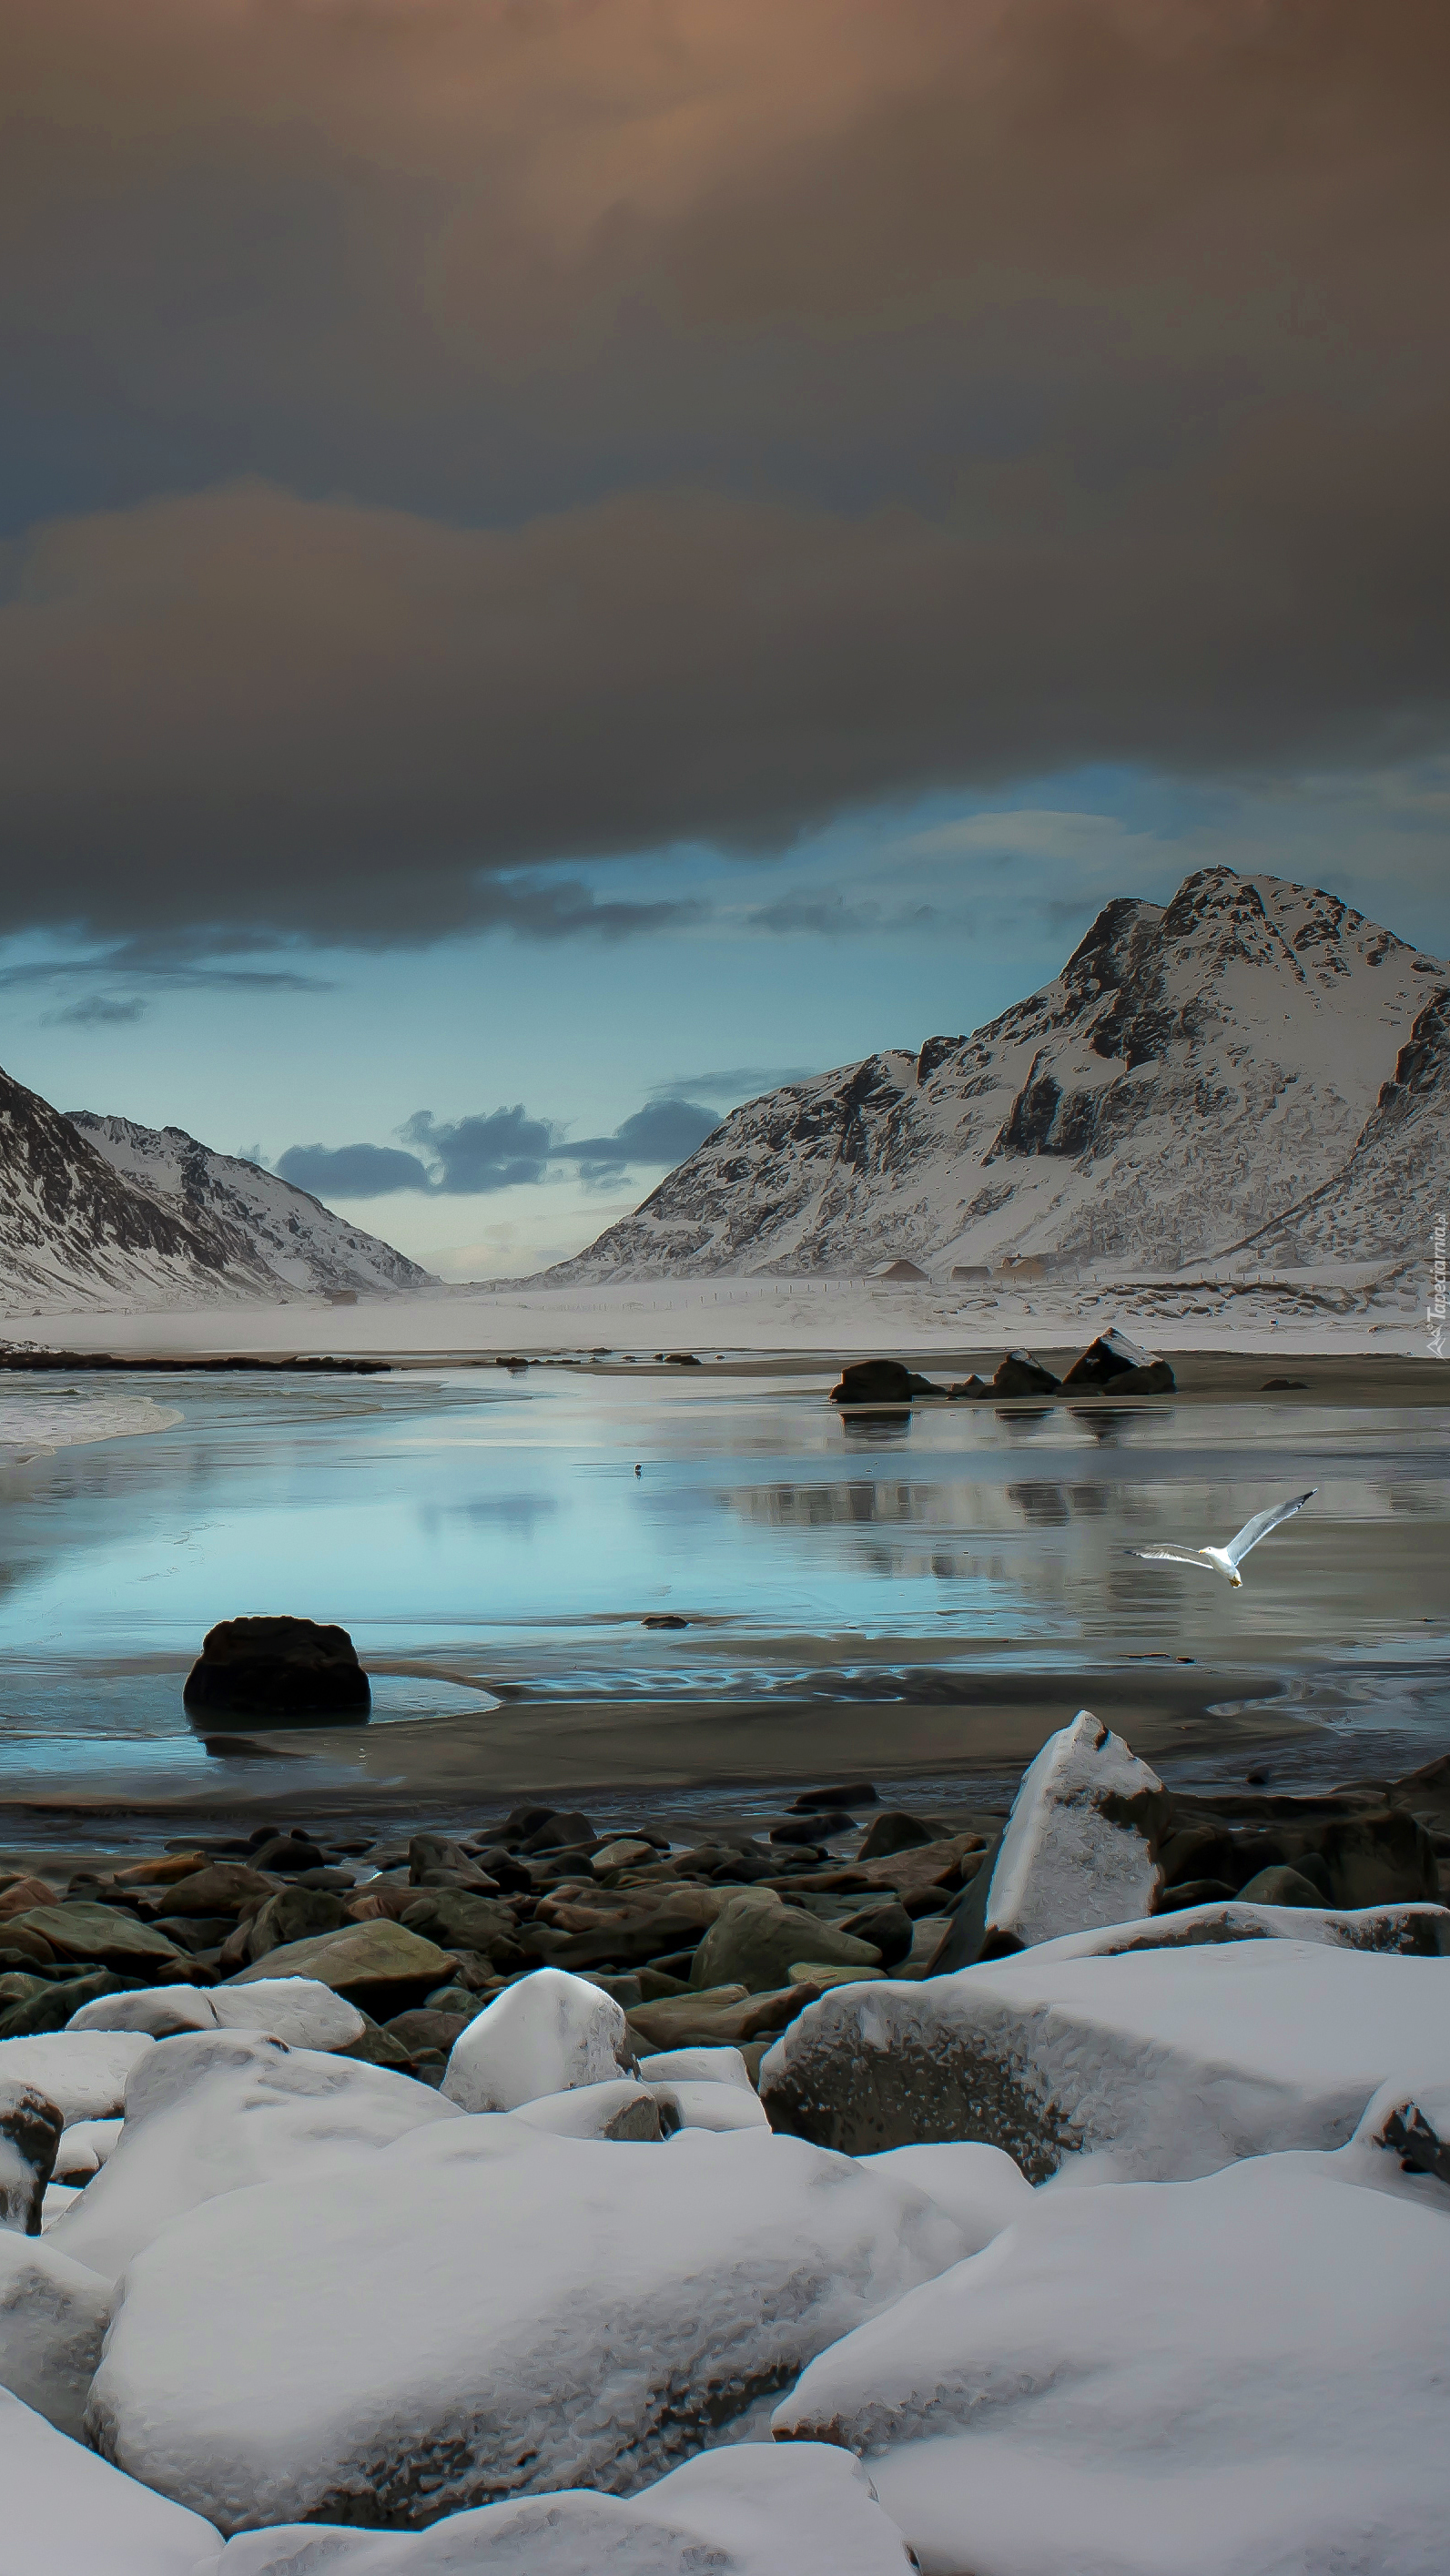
291 1236
288 1668
30 2127
1254 1052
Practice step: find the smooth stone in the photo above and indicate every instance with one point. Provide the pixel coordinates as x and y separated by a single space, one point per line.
896 1831
753 1944
1281 1887
545 2034
621 2113
83 2072
289 1668
223 1887
293 1914
104 1935
368 1963
888 1927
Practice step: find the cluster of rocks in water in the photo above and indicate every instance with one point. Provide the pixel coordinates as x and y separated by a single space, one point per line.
1110 1365
490 2200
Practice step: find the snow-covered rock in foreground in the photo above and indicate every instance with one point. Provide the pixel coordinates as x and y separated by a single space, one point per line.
978 2186
63 2512
290 1234
83 2073
296 2009
750 2510
161 2012
621 2112
220 2109
53 2314
1154 2065
696 2066
1079 1851
1243 2376
483 2310
545 2035
709 2106
1415 1931
84 2148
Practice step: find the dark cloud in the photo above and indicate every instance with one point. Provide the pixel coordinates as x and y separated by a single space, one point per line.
496 1150
665 1131
351 1171
452 443
479 1154
98 1011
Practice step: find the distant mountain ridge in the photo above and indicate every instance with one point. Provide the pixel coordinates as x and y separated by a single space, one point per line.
296 1241
1254 1064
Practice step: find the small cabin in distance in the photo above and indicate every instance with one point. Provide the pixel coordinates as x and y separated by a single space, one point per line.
902 1269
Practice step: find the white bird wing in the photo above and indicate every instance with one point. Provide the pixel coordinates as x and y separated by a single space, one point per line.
1261 1524
1174 1556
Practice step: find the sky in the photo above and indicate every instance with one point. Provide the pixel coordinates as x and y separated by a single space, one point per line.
563 564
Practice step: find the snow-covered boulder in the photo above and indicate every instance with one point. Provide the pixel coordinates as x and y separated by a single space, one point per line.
709 2106
545 2035
696 2066
82 2072
220 2109
53 2314
1411 2121
483 2310
30 2131
1158 2064
85 2146
748 2510
620 2112
1420 1931
162 2012
978 2186
299 2010
63 2510
1080 1849
1243 2376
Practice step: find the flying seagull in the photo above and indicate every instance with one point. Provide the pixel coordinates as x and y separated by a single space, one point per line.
1227 1560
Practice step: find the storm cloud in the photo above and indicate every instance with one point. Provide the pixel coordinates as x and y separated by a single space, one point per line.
448 445
497 1149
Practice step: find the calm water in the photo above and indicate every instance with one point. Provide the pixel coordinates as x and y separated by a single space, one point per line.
496 1527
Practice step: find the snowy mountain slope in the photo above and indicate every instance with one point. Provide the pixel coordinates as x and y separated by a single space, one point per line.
1194 1073
296 1241
1383 1204
71 1227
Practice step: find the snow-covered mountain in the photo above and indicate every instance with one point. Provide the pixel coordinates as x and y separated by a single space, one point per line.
294 1241
1254 1064
72 1229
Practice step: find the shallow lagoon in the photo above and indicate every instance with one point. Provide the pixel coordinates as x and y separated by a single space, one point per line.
491 1532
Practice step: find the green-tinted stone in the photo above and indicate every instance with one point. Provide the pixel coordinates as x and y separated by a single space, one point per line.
382 1967
106 1934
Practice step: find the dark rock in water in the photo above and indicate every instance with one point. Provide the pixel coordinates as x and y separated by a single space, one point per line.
663 1619
803 1829
561 1833
1192 1891
287 1855
1156 1379
1285 1386
1020 1374
888 1927
855 1793
277 1668
682 1359
30 2133
881 1382
970 1390
895 1831
1281 1887
1109 1357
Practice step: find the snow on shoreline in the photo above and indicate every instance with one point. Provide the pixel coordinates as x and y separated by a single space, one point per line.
1304 1314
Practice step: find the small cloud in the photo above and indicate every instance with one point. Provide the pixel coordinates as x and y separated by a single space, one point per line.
97 1011
494 1151
734 1082
832 917
351 1171
665 1131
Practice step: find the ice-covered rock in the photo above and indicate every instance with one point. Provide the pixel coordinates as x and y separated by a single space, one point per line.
162 2012
220 2109
547 2034
1242 2376
85 2146
696 2066
622 2111
82 2072
53 2313
484 2310
978 2186
748 2510
1413 1931
1156 2064
30 2131
1080 1849
1411 2121
299 2010
709 2106
63 2510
